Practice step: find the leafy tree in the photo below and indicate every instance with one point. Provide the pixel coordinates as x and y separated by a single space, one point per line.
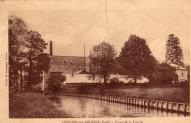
43 61
174 51
24 47
17 31
55 82
136 58
35 45
102 59
164 73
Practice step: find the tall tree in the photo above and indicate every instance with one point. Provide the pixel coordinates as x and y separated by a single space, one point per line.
17 31
174 51
102 59
25 46
36 46
136 58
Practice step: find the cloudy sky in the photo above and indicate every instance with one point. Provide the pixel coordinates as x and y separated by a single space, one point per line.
71 24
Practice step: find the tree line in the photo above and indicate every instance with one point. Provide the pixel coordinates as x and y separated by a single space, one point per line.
135 60
26 48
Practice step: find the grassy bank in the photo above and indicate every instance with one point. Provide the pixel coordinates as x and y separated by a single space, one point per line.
163 93
174 94
32 105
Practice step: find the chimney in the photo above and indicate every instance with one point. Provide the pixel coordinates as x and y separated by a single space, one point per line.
51 49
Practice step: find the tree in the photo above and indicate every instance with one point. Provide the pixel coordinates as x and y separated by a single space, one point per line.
17 31
55 82
164 73
174 51
35 45
188 70
24 47
102 59
43 61
136 58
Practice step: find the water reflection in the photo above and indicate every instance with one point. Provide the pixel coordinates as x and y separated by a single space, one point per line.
84 107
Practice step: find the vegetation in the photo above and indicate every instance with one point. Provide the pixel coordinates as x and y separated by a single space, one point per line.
25 46
32 105
102 59
164 73
35 45
17 32
174 51
55 82
43 61
163 92
136 58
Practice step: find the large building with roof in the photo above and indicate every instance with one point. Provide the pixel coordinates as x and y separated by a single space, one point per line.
75 68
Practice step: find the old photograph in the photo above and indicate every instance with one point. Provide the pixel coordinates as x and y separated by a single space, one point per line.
99 59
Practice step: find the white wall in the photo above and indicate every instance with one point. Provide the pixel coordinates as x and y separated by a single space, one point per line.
83 78
182 75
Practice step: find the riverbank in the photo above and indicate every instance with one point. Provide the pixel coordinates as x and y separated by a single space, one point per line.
32 105
169 93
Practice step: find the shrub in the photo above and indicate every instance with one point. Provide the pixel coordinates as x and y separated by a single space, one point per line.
115 82
55 82
164 73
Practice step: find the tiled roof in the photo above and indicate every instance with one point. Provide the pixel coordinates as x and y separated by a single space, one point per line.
67 64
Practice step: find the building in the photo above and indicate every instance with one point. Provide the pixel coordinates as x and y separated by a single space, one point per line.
181 72
74 68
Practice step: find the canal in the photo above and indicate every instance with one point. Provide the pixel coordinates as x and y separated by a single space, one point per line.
80 107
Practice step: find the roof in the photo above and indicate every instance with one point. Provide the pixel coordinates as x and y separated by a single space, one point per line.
68 64
178 67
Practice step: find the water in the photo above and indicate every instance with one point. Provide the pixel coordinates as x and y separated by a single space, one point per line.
84 107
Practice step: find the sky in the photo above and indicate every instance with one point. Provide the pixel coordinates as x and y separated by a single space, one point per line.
90 22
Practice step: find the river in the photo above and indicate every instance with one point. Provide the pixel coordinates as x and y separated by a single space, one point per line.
85 107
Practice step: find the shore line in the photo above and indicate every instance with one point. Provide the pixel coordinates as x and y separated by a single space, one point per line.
160 105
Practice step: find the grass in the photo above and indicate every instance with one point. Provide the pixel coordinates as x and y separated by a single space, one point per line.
32 105
173 94
157 92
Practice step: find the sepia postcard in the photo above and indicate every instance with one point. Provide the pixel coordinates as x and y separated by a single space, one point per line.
95 61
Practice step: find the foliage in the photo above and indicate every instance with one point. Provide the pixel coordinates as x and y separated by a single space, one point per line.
102 60
43 61
188 70
17 30
32 105
55 82
115 82
35 45
136 58
164 73
174 51
25 46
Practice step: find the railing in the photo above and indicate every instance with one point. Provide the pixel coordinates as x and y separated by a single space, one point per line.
161 105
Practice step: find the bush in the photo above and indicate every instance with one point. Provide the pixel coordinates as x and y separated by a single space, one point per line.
164 73
115 82
55 82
